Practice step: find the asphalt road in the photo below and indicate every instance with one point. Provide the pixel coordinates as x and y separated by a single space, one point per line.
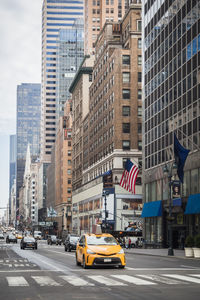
50 273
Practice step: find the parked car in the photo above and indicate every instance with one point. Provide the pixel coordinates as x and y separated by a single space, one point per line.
52 239
99 250
11 239
28 242
71 242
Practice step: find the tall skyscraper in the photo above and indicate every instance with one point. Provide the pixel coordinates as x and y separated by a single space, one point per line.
28 127
69 57
56 15
96 13
171 105
12 168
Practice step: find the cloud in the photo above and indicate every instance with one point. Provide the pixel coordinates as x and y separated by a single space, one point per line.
20 54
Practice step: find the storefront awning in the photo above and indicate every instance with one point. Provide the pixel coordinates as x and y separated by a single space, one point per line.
193 205
152 209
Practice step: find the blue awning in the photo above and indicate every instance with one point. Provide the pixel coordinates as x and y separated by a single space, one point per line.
152 209
193 205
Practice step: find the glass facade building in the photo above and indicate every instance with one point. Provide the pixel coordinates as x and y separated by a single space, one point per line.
12 164
171 103
28 127
56 15
69 57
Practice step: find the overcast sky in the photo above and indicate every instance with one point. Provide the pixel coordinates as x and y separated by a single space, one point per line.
20 61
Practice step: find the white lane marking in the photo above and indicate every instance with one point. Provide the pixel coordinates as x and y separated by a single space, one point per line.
45 281
76 281
19 265
161 269
17 281
183 277
62 253
134 280
160 279
105 280
25 271
185 266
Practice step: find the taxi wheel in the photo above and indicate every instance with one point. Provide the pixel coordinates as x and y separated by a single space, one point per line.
84 264
77 262
121 267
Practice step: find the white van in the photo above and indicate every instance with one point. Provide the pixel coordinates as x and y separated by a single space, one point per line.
37 235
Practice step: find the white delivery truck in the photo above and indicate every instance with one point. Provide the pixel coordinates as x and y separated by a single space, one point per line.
37 235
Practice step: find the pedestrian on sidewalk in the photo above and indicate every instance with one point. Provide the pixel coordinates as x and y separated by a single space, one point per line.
126 242
129 243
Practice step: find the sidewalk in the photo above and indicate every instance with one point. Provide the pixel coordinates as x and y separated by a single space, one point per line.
156 252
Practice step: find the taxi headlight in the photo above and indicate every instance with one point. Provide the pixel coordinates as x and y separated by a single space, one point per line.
121 251
90 251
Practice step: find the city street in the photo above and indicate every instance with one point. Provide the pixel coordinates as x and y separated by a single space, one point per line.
51 273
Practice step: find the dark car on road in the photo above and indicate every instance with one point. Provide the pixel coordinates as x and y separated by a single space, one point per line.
52 239
1 236
71 242
28 242
11 239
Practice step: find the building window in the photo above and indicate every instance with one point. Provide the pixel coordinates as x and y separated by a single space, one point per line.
69 181
139 94
139 111
126 127
69 171
69 162
126 111
126 145
126 77
69 191
139 145
69 153
139 43
139 59
126 59
139 76
126 94
139 127
139 25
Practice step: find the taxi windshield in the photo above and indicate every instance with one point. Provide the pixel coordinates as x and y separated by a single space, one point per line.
101 240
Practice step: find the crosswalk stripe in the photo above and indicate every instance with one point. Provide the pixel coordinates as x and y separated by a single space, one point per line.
183 277
45 281
105 280
160 279
76 281
196 275
135 280
17 281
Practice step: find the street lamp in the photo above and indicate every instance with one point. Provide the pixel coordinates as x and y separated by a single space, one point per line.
104 194
62 220
168 171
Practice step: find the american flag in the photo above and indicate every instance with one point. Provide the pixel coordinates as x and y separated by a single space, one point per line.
129 176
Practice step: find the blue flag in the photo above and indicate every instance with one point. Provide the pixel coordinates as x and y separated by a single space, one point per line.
180 154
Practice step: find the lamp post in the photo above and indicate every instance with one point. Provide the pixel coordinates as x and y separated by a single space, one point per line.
169 172
104 194
62 220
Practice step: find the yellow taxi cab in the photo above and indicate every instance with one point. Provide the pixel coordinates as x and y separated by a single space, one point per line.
19 236
98 250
